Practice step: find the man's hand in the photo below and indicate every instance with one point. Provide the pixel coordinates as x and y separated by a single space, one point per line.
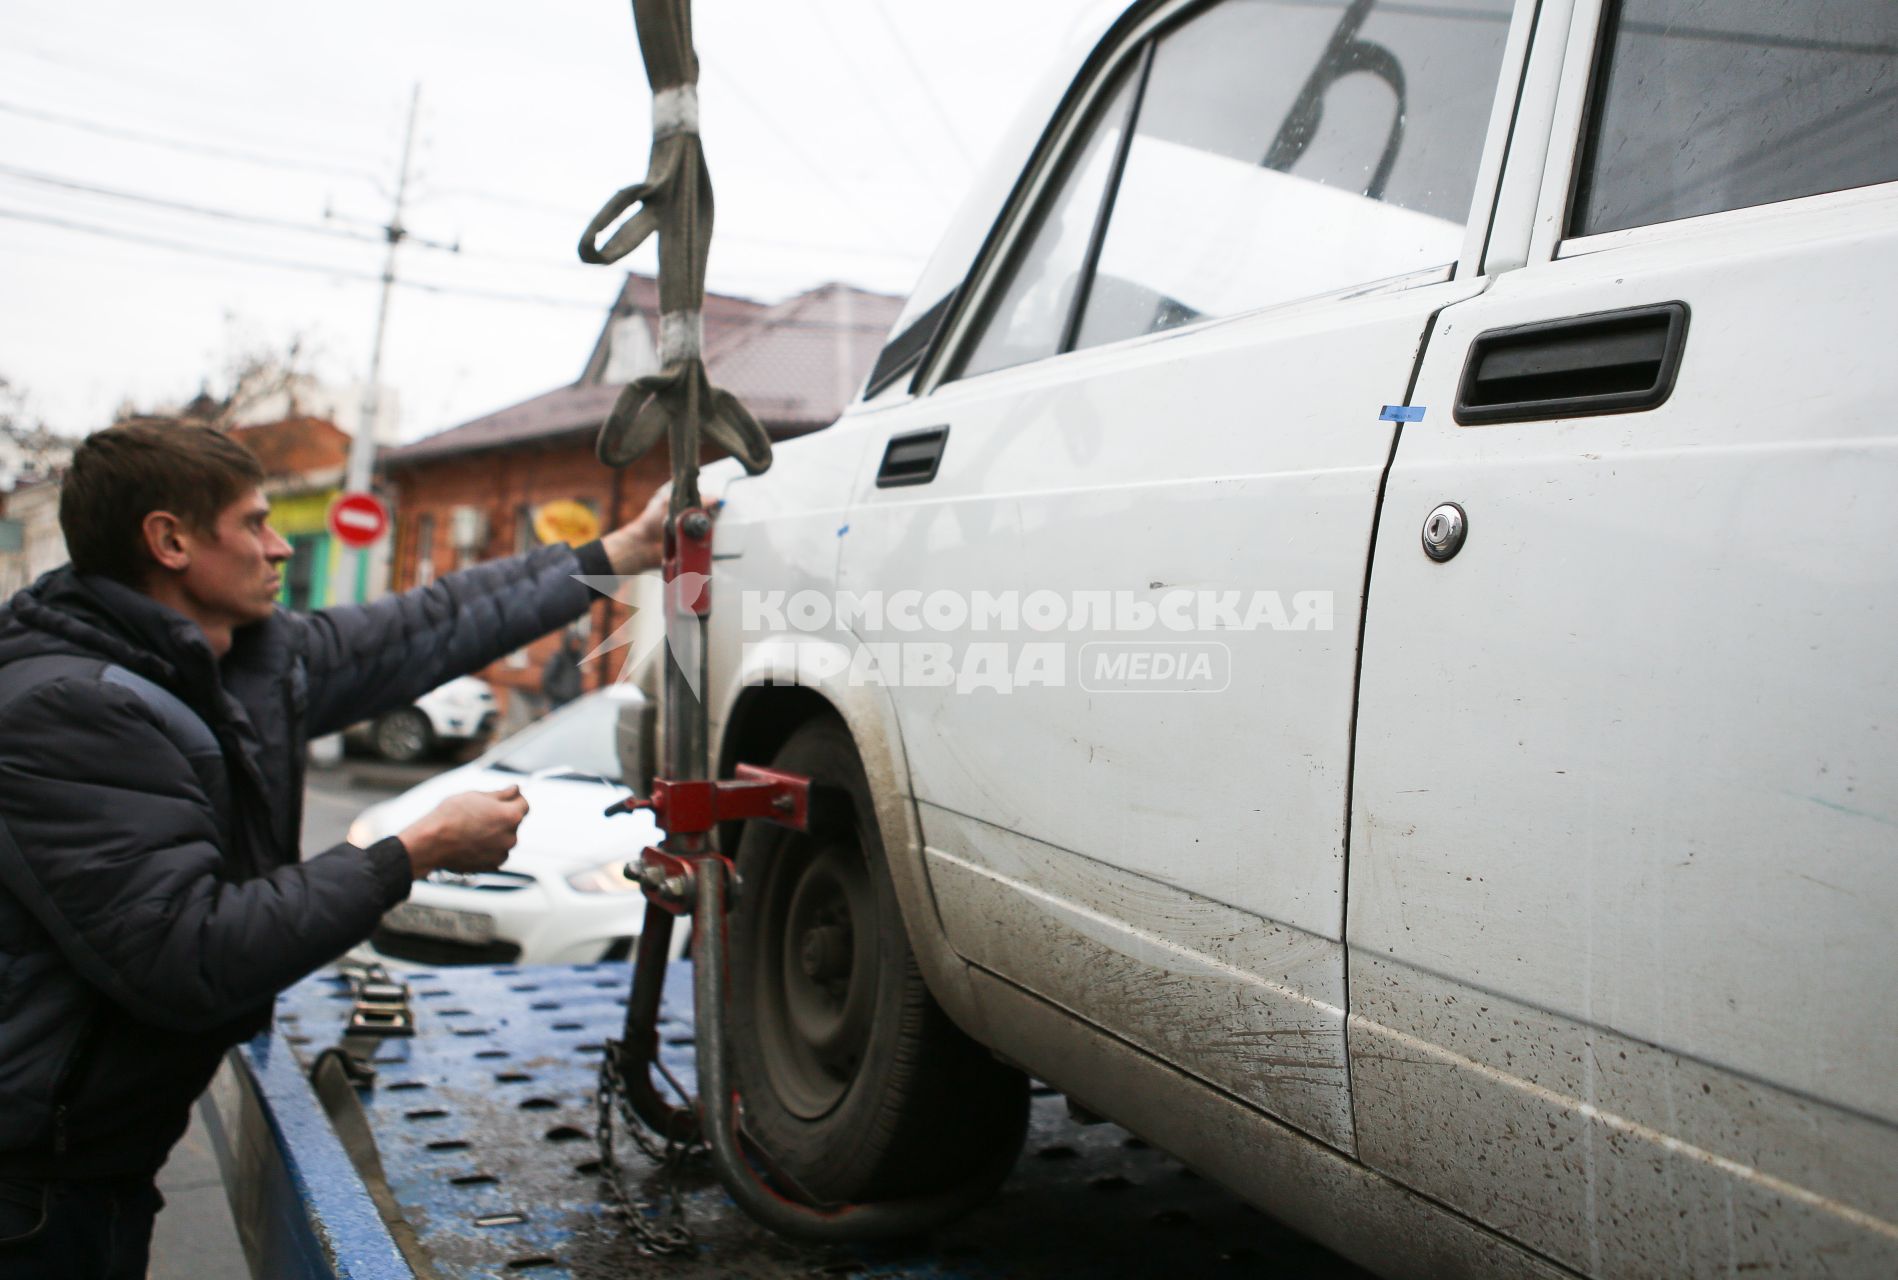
640 545
469 832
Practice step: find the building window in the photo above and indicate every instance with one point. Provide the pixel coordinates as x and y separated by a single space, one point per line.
425 550
304 577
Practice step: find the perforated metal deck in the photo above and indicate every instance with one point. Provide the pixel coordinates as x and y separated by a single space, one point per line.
485 1124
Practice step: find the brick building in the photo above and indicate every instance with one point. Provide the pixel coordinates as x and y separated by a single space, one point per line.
470 493
304 460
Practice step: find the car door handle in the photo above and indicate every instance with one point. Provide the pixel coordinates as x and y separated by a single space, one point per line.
1608 362
912 458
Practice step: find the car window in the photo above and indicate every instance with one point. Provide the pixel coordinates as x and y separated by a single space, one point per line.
581 737
1286 150
1701 107
1030 320
1282 149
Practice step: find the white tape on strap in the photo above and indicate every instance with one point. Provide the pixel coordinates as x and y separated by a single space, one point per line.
681 336
675 111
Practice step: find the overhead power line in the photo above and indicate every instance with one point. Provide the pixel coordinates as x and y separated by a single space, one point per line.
282 264
347 273
181 246
921 80
863 84
575 217
180 206
245 155
363 235
764 116
220 89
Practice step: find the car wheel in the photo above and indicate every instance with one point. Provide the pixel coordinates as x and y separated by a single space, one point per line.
404 736
855 1083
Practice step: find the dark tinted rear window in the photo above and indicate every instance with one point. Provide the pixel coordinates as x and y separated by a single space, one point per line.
1706 105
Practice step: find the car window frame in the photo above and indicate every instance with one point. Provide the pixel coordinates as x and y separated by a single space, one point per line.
1021 214
1601 64
1134 37
1137 66
1584 58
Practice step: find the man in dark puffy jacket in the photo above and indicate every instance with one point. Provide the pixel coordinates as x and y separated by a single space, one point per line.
154 710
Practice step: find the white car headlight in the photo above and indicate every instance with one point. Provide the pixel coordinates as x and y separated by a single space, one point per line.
610 877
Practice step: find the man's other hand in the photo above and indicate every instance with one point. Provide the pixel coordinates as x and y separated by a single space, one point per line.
472 831
640 545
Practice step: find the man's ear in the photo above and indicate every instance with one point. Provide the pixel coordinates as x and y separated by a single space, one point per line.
166 540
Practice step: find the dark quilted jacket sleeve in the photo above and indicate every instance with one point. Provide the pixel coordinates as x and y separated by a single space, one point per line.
109 842
367 659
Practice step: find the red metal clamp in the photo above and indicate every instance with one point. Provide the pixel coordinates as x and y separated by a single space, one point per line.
695 807
687 569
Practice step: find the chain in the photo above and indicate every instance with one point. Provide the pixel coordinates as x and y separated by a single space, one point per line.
658 1229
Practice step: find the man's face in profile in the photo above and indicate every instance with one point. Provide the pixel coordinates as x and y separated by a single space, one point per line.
235 573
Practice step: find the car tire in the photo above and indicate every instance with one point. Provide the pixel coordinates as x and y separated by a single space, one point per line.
855 1083
404 736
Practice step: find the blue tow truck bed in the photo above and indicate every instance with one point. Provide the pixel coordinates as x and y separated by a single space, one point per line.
484 1121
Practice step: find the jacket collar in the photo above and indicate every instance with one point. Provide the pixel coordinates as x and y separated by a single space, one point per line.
106 618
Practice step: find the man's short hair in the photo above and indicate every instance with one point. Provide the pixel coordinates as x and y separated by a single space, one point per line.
122 474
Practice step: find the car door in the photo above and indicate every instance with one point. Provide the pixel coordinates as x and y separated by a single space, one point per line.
1118 538
1626 794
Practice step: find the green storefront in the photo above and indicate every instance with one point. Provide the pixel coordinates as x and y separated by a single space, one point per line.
317 559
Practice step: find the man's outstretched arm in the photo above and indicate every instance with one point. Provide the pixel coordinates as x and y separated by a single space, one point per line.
367 659
108 841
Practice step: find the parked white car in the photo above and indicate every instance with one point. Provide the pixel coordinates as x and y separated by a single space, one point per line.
560 898
1356 618
447 717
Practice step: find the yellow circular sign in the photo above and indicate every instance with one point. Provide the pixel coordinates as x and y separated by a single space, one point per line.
564 520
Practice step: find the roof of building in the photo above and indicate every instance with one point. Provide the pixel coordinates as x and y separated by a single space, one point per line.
296 447
795 364
800 363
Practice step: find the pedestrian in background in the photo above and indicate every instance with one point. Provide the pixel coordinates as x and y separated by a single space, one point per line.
560 678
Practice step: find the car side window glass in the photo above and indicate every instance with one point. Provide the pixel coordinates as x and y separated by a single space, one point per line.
1290 148
1029 321
1701 107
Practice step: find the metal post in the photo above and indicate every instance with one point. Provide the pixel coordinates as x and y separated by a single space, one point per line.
362 449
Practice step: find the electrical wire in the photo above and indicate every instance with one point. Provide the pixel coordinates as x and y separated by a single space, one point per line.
569 214
179 206
181 145
201 92
282 264
863 85
317 228
922 82
790 143
347 273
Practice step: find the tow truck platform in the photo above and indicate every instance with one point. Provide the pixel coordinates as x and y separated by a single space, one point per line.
484 1122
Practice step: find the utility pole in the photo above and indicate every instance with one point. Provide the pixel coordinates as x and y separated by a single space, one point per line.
362 449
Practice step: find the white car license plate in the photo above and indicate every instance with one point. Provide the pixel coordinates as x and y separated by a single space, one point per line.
440 922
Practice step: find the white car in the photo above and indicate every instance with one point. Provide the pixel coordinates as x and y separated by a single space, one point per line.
560 898
448 716
1357 619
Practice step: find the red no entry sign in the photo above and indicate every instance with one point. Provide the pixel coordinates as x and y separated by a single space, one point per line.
358 519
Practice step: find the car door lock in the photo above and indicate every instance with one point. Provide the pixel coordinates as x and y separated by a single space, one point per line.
1444 530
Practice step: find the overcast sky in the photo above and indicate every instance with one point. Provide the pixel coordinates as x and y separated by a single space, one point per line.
840 134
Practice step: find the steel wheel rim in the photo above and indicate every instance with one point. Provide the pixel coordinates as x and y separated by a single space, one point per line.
815 974
399 737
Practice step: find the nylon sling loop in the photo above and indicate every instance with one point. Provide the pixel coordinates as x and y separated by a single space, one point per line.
678 404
